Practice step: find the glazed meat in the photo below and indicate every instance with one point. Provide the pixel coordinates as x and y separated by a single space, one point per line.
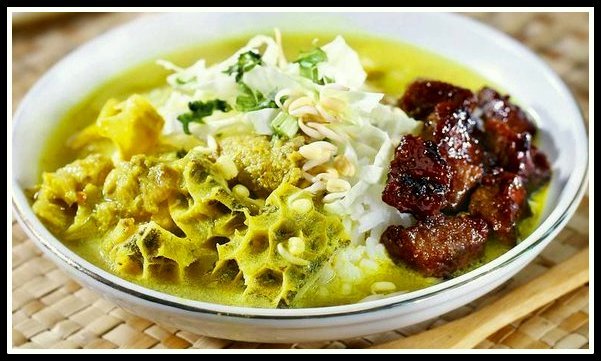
499 108
455 134
464 177
509 134
452 128
541 172
419 178
501 201
439 245
515 153
475 153
422 96
510 149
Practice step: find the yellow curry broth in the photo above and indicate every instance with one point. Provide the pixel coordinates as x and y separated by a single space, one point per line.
391 66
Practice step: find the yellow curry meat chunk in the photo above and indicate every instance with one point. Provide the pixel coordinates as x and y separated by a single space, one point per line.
75 185
263 165
133 125
141 188
150 251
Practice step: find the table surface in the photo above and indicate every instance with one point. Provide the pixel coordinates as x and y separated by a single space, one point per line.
50 310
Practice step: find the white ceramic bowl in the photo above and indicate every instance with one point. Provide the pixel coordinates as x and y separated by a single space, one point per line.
485 50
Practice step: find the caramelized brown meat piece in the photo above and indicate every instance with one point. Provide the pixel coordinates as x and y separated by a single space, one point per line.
499 108
422 96
541 172
439 245
457 152
515 153
419 178
455 135
509 136
464 177
511 149
501 201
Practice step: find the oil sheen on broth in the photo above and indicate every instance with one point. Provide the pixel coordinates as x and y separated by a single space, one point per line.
390 65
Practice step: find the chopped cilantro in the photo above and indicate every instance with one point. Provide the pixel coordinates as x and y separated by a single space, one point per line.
199 110
179 81
250 100
246 61
308 65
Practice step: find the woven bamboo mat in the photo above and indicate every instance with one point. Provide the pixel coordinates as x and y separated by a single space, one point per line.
50 310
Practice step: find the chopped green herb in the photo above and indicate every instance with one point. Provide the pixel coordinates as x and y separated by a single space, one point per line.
283 99
308 65
246 61
199 110
326 80
250 100
182 82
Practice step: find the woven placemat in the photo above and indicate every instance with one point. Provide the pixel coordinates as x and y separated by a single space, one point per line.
50 310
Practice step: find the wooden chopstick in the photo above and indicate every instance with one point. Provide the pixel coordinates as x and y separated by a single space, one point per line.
469 331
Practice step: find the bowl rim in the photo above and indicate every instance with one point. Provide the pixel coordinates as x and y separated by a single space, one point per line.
555 220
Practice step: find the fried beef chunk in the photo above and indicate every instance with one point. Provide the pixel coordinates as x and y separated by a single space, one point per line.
499 108
459 152
456 136
451 127
511 149
541 172
456 133
439 245
419 178
501 201
422 96
516 153
464 177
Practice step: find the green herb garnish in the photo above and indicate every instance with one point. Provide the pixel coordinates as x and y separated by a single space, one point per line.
199 110
246 61
179 81
250 100
308 65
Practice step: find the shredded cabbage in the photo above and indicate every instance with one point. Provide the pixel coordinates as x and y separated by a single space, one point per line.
343 64
334 107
